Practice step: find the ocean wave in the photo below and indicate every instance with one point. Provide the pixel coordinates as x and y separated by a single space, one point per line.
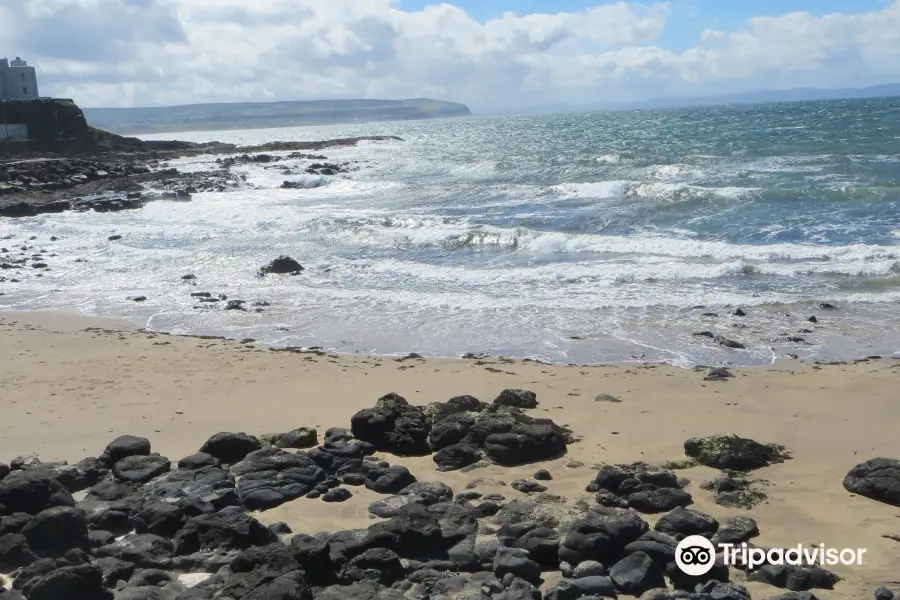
668 192
455 233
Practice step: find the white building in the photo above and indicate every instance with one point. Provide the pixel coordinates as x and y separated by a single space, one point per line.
18 81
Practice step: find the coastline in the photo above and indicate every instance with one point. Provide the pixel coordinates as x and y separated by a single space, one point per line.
72 383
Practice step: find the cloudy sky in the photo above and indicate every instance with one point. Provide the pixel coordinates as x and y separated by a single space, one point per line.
490 54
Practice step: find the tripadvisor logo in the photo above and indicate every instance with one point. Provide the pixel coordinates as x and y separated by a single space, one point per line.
695 555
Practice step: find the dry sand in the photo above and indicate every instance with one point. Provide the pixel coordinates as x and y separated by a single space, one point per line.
69 384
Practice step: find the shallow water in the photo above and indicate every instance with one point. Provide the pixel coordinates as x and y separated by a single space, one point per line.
512 235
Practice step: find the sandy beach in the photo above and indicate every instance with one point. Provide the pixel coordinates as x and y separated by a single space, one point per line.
70 384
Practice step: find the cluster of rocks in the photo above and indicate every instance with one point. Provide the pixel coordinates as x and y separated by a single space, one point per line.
781 339
58 174
127 192
247 159
113 181
208 301
23 259
148 529
315 169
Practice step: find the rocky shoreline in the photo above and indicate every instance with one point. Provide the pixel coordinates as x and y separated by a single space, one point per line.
131 524
48 183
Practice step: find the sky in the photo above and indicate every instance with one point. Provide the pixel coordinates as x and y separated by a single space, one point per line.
490 54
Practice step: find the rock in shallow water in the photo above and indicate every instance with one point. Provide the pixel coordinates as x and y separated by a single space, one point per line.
283 265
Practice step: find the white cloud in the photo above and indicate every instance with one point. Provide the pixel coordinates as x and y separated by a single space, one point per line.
710 34
139 52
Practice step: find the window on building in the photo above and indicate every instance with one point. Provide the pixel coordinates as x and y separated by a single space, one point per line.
23 76
25 90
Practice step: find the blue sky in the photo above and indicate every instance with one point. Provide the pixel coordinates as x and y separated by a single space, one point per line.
687 20
162 52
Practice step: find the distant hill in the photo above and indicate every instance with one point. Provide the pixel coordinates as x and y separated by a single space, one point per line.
256 115
760 97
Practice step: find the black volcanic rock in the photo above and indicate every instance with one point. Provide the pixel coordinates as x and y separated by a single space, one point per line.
878 479
283 265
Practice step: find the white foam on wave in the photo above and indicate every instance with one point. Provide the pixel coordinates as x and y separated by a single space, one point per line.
608 159
662 191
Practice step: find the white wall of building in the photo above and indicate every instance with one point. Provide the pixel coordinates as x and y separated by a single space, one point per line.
18 81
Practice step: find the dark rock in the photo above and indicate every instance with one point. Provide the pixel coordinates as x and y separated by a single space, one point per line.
796 578
585 587
198 461
140 469
303 437
636 573
141 549
542 475
733 452
542 545
230 448
14 552
735 491
718 374
813 319
81 582
639 486
516 562
113 570
230 528
425 493
659 500
196 487
113 238
283 265
528 487
658 546
164 519
517 398
882 593
682 581
364 590
878 479
393 427
466 403
525 444
795 596
736 530
55 531
314 555
683 522
723 591
149 577
280 528
32 491
375 564
98 537
456 456
738 313
600 537
337 495
14 523
391 481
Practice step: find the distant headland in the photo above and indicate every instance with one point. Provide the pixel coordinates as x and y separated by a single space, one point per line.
257 115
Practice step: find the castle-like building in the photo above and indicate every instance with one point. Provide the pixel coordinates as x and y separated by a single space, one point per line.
18 81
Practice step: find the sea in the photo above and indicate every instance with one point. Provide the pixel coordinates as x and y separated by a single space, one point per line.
601 237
